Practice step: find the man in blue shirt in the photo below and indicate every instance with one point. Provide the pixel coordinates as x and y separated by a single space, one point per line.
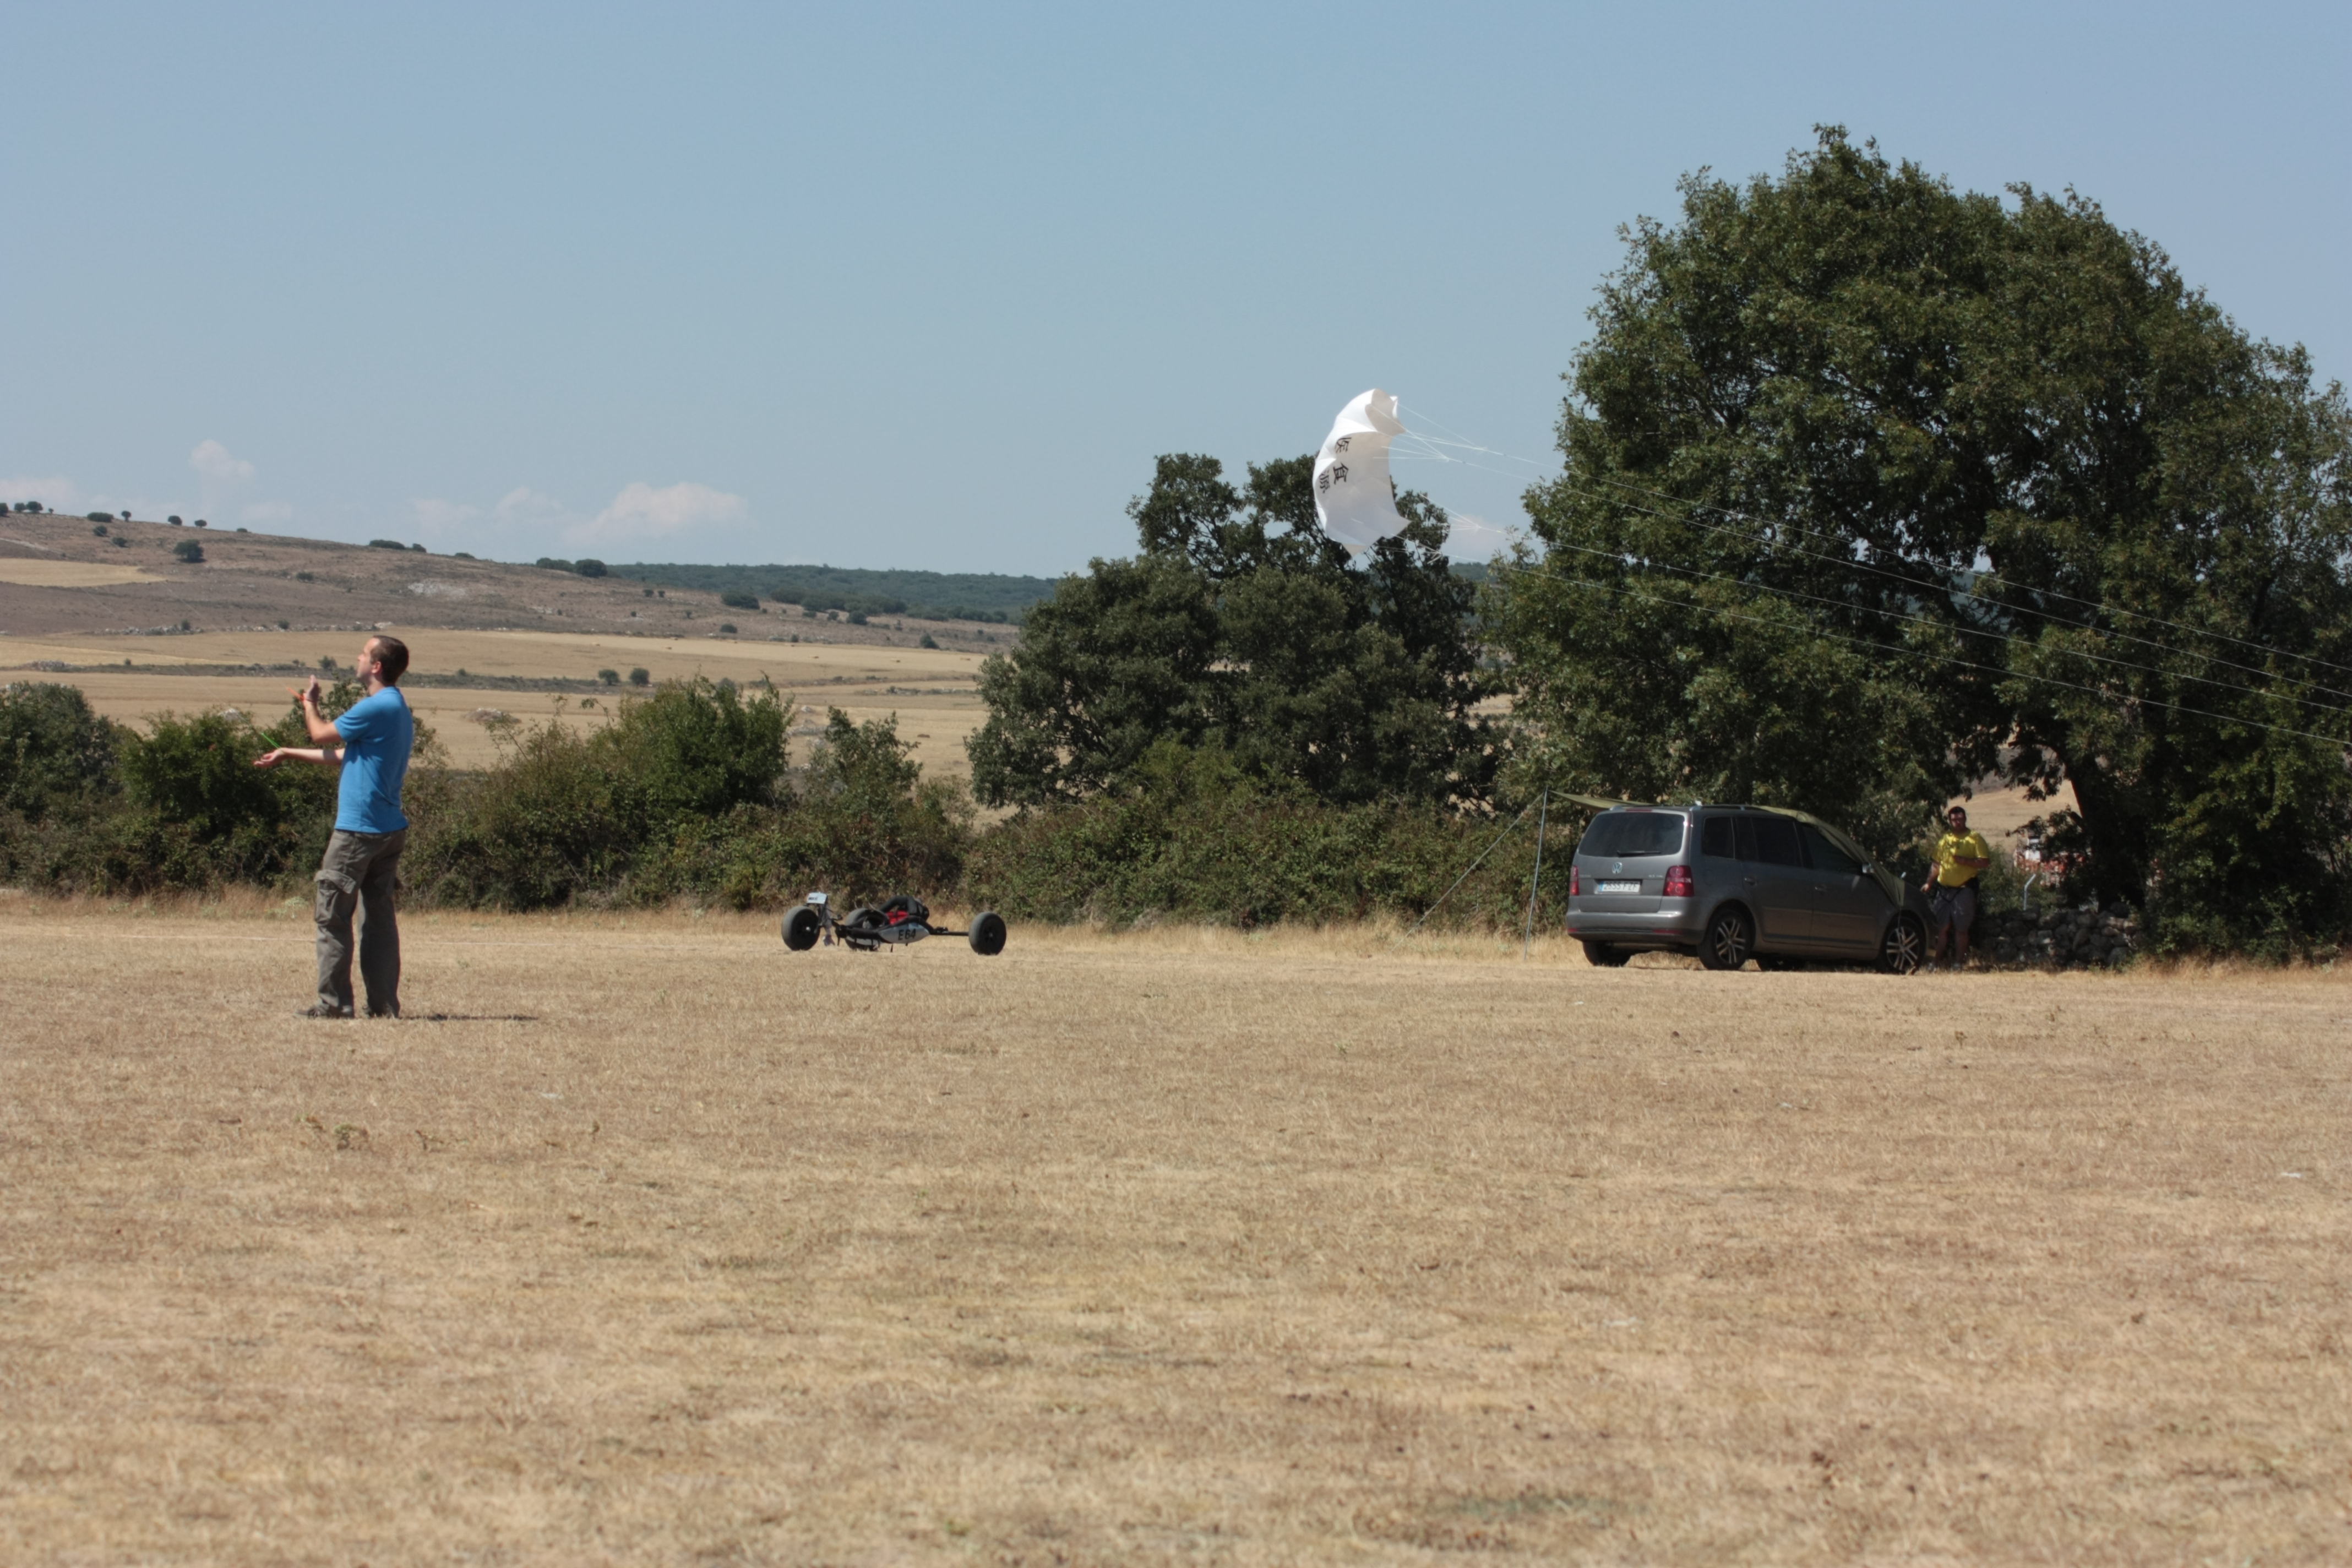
370 743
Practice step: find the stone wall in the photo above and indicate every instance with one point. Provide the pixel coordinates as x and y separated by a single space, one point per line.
2056 937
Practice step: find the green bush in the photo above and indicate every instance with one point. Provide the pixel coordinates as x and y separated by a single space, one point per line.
199 813
567 815
54 753
1196 837
735 601
189 551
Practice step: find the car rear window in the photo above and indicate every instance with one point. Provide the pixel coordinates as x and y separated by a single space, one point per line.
1621 834
1771 840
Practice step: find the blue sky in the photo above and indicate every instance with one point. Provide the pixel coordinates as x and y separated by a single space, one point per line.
929 286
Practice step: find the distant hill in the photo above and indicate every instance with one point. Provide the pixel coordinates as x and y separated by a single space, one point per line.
925 596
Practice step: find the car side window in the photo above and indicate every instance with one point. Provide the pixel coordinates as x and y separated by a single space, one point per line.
1826 856
1776 842
1715 839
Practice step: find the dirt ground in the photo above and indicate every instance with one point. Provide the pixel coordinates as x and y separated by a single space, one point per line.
641 1240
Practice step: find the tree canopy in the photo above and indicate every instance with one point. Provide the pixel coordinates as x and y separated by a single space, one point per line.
1873 486
1240 628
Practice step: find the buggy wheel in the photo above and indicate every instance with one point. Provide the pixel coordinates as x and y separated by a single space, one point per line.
988 933
1730 938
1601 955
801 928
1905 947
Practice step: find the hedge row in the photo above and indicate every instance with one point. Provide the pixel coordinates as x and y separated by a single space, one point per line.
688 795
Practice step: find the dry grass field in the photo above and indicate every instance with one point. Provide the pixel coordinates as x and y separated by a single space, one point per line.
72 573
643 1240
930 690
105 616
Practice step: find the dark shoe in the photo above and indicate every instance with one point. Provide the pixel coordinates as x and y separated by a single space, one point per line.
320 1010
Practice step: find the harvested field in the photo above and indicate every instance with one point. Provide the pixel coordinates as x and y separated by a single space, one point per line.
643 1240
72 574
930 690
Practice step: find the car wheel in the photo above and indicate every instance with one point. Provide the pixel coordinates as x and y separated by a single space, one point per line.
988 933
801 928
1777 962
1905 949
1730 939
1600 955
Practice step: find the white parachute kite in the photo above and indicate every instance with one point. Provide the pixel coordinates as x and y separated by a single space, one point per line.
1354 501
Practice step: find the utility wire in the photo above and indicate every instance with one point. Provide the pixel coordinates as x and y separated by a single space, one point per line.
1944 589
1434 442
2004 638
1941 658
1948 591
2048 592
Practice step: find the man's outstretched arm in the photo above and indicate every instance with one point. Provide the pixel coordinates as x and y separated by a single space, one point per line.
325 756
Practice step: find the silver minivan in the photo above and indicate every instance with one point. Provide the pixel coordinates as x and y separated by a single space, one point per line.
1730 883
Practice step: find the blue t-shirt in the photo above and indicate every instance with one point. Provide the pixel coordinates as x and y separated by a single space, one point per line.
377 732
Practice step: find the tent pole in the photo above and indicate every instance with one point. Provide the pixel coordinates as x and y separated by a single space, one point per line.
1527 944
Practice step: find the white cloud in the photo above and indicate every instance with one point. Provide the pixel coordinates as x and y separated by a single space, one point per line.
641 512
55 491
435 516
523 504
213 461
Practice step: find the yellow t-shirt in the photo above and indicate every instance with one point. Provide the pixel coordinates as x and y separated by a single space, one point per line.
1953 847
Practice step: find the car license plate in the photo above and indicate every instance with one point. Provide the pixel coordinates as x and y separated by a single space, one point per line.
1621 887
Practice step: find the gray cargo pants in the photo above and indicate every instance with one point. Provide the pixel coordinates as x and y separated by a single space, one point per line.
358 872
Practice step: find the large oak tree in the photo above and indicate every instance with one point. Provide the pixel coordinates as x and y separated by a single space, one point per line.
1872 487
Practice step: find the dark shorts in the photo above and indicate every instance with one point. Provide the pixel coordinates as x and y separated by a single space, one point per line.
1955 907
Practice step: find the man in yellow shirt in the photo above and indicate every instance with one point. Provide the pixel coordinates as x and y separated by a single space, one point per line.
1961 856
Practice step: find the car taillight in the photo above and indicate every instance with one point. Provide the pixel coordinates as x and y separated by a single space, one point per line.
1678 883
1575 883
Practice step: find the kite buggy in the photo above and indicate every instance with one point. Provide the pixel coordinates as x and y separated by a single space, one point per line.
899 922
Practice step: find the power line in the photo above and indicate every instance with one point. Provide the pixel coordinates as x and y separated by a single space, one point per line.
1943 588
1946 590
1942 658
2097 605
2004 638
